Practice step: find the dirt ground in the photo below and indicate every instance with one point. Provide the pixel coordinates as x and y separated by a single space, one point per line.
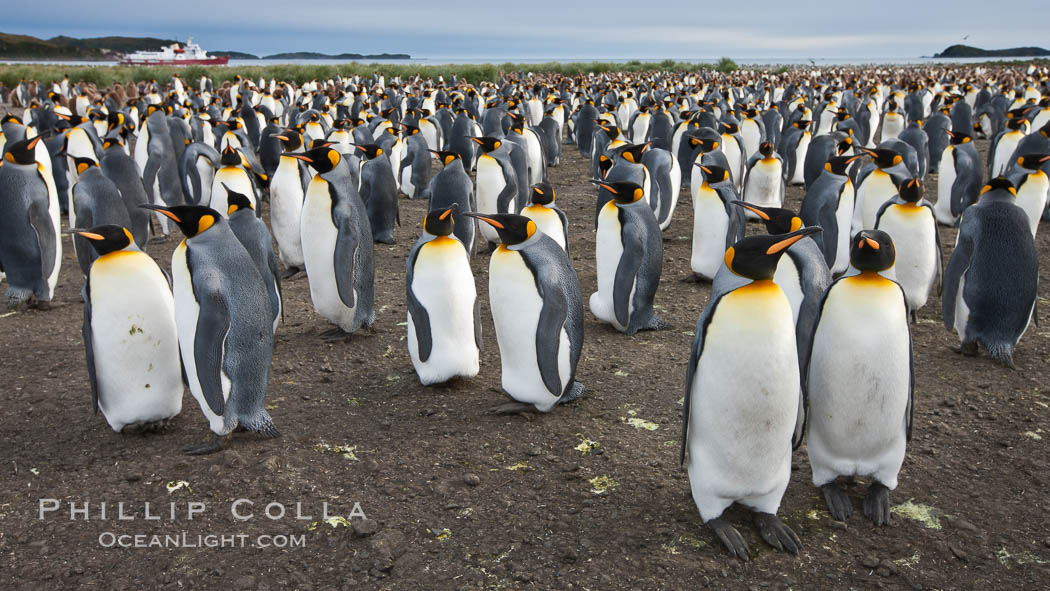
589 496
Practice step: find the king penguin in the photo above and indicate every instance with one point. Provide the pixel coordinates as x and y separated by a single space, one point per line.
829 204
991 279
130 338
496 186
452 186
877 184
379 192
716 223
30 248
1033 187
959 179
910 223
96 202
860 426
764 181
740 412
549 218
286 202
223 318
537 311
337 245
444 318
120 168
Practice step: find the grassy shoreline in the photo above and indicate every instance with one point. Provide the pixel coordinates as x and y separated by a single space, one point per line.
10 74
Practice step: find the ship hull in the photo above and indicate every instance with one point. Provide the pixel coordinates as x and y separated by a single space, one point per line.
211 61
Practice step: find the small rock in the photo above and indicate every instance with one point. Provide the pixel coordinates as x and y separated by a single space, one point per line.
246 582
870 561
835 524
472 479
327 367
365 527
882 571
958 553
535 451
569 555
949 403
132 478
964 525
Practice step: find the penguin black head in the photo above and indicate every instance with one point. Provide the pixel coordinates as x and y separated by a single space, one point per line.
487 143
193 220
237 201
23 152
1032 161
106 239
112 140
81 164
604 165
439 222
1012 124
842 115
410 129
776 219
445 156
290 139
322 159
9 118
633 152
624 192
730 128
369 151
230 156
766 149
801 124
872 250
541 194
883 157
756 257
1000 183
704 143
910 190
959 137
512 228
839 164
844 146
713 174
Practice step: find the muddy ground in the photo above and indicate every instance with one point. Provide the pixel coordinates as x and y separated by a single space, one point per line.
457 497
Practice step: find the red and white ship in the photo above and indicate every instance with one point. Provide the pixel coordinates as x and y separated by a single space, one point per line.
189 54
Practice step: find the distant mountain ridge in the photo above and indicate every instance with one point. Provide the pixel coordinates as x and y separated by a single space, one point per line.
968 51
102 48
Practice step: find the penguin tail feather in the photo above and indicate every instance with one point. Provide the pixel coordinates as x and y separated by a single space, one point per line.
262 424
1003 353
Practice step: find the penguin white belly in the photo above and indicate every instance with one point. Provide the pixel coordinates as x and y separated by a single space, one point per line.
676 184
858 383
743 403
135 342
187 309
318 239
827 118
912 229
490 183
142 149
877 189
942 209
548 221
516 306
710 225
1041 118
798 175
843 220
406 181
731 149
55 213
444 285
763 186
790 282
752 136
892 125
640 129
286 206
608 250
235 178
207 175
1032 198
1004 150
535 155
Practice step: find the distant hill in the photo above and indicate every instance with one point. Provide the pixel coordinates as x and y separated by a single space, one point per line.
310 55
118 44
61 47
237 55
967 51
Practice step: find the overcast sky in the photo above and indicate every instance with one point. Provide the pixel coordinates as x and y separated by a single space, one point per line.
558 29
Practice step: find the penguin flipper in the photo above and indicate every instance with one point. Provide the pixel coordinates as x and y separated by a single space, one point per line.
343 259
910 411
694 358
957 266
507 198
552 320
420 316
46 235
829 237
89 350
477 324
213 324
627 272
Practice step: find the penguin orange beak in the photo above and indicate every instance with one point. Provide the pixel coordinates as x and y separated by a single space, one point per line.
489 221
702 167
476 140
281 137
448 211
857 157
1044 159
32 143
791 239
607 187
90 235
306 159
752 209
874 245
162 210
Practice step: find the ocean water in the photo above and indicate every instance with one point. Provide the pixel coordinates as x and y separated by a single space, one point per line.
446 60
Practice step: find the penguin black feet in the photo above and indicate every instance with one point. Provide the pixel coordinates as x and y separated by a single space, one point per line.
159 239
838 501
156 426
575 392
967 349
914 317
385 239
730 538
694 278
776 533
291 272
335 334
205 448
657 323
513 408
877 503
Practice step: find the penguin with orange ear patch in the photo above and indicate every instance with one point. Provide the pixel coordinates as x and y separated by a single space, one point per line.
741 411
96 202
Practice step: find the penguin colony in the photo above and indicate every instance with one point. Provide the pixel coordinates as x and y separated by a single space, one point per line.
800 319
